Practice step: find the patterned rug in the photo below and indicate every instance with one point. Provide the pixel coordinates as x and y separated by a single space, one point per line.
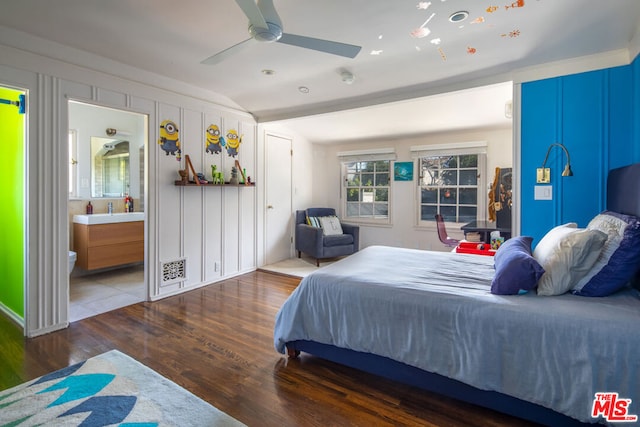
111 389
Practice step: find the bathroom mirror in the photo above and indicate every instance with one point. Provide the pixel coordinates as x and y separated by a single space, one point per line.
109 167
106 147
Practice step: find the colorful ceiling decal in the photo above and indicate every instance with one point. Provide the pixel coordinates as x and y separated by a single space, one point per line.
519 3
512 34
424 5
422 31
471 50
478 20
442 55
492 9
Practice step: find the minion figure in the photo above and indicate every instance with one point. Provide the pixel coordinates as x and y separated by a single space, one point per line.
215 142
169 139
233 142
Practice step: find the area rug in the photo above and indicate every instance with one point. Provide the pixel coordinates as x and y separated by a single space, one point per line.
111 389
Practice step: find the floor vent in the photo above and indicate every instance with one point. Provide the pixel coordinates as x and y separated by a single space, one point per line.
173 271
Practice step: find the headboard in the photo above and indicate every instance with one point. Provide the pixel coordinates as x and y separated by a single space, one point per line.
623 190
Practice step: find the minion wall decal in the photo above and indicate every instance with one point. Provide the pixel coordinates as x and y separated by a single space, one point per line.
169 139
215 141
233 142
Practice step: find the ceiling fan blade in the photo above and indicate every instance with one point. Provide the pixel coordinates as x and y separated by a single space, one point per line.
334 48
224 54
251 9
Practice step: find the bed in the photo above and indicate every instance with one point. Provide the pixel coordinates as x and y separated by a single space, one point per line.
430 319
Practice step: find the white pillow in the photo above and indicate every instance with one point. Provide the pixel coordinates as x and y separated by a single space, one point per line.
567 256
330 225
550 241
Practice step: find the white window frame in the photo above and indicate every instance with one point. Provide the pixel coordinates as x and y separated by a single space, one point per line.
462 148
374 155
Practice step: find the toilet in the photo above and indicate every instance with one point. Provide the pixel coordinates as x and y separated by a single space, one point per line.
72 260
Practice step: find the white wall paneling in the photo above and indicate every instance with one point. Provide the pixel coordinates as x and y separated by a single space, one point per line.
204 226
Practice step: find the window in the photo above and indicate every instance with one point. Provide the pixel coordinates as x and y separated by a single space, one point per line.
451 184
367 189
366 178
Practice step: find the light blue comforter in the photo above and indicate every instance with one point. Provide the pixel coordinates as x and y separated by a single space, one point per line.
434 311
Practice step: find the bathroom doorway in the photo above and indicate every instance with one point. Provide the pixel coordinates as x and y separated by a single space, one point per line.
107 183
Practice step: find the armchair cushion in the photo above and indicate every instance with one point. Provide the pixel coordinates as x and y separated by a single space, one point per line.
338 240
330 225
314 241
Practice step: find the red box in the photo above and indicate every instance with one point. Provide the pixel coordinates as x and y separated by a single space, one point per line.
475 248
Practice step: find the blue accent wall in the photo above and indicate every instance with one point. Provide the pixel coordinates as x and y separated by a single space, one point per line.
596 115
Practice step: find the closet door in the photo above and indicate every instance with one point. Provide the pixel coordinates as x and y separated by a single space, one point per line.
278 216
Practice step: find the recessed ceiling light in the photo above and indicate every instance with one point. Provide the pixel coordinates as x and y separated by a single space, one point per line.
303 89
268 72
459 16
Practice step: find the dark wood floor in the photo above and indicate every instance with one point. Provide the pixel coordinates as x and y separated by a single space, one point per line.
217 342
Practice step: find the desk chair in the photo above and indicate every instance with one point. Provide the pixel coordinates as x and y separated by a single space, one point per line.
442 233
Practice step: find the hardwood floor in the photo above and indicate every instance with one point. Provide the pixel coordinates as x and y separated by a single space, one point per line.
217 342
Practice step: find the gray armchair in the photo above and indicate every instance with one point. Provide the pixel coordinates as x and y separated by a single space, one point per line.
313 242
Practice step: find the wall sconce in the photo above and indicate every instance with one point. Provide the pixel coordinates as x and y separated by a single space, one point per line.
544 174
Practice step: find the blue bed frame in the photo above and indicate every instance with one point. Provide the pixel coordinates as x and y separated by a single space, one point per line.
623 196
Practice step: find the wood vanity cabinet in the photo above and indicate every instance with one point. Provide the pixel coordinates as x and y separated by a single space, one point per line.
108 245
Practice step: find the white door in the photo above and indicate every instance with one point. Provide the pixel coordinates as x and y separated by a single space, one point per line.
279 217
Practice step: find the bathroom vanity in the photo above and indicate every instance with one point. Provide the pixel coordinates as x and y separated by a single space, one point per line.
108 240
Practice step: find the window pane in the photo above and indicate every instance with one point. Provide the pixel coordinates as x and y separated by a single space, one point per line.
353 195
367 179
367 196
428 212
450 162
382 166
381 209
353 209
448 195
382 195
468 196
429 195
366 209
448 212
469 177
353 180
467 214
449 177
382 179
469 161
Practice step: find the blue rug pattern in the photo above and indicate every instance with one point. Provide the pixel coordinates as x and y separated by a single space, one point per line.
111 389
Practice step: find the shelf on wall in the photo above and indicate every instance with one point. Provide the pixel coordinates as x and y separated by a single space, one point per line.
210 184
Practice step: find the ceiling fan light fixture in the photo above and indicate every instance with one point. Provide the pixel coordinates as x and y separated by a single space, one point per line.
458 16
271 34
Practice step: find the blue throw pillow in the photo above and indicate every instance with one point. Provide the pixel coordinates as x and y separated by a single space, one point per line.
619 260
516 269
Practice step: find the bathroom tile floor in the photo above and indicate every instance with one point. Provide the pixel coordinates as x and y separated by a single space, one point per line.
93 294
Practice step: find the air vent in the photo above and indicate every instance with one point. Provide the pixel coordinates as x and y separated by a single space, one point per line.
173 271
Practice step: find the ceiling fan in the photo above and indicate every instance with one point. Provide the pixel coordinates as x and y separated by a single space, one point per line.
265 26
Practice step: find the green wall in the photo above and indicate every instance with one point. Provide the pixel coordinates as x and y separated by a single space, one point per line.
12 251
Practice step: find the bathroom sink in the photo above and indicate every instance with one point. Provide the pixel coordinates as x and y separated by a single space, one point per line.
108 218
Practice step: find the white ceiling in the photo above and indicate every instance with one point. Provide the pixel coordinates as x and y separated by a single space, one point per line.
171 38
